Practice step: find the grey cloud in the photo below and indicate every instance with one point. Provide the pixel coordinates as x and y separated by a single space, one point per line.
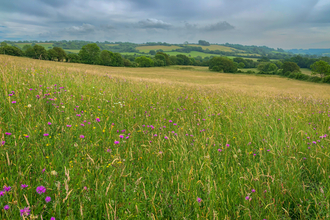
79 30
153 23
220 26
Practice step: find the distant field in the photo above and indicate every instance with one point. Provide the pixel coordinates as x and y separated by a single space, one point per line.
45 45
192 54
72 51
216 47
111 45
146 49
306 71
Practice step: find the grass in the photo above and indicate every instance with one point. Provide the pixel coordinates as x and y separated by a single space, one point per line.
216 47
72 51
146 49
161 143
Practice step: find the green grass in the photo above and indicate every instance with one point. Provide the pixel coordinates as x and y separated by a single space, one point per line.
245 155
146 49
72 51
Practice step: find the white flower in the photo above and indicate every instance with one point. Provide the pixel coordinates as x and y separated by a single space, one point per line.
63 106
235 156
29 105
54 173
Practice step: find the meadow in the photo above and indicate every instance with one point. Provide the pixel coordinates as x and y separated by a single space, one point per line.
45 45
216 47
94 142
146 49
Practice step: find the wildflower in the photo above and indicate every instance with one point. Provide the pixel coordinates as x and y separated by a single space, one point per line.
155 135
247 198
97 119
6 207
26 211
166 137
116 142
29 105
219 150
49 123
63 106
43 170
82 136
48 199
24 186
7 188
52 218
199 200
69 126
121 136
13 102
54 173
2 193
235 156
108 150
7 133
41 189
3 142
46 135
170 121
227 145
253 190
85 187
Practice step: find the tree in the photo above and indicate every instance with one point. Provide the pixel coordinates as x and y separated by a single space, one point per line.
117 60
203 43
144 61
290 67
52 54
61 55
185 59
321 67
272 67
166 60
241 65
106 57
222 64
38 52
73 58
263 59
90 54
152 52
11 50
3 44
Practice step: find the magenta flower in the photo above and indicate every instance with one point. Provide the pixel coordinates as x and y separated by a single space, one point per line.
69 126
41 189
10 94
82 136
52 218
166 137
170 121
121 136
253 190
24 186
2 193
7 188
48 199
26 211
247 198
43 170
219 150
13 102
3 142
46 135
97 119
155 135
7 133
116 142
227 145
199 200
38 96
27 136
6 207
49 123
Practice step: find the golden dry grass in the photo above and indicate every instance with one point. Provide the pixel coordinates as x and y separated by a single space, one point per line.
216 47
263 85
146 49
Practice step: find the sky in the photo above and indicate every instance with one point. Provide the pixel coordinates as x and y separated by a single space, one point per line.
286 24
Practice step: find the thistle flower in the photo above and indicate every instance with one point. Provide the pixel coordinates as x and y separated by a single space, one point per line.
116 142
199 199
48 199
26 211
41 189
7 188
6 207
24 186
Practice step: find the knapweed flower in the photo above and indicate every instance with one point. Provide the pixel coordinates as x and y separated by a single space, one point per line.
13 102
227 145
121 136
247 198
170 121
116 142
82 136
199 200
7 188
41 189
6 207
24 186
2 193
97 119
7 133
52 218
253 190
48 199
166 137
219 150
3 142
25 212
43 170
49 123
46 135
69 126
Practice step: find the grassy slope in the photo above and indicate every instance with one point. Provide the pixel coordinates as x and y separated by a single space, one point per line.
240 143
146 49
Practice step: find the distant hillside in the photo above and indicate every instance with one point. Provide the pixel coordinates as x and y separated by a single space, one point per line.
318 52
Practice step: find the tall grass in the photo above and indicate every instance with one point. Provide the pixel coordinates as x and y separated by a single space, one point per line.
109 148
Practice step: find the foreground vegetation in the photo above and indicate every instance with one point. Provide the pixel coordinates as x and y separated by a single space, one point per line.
89 142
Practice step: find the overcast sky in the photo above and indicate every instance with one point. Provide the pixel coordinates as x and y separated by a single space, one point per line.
275 23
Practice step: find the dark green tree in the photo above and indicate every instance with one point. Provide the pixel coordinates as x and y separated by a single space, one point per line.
73 58
117 60
290 67
144 61
321 67
52 54
152 52
106 57
186 60
61 54
222 64
90 54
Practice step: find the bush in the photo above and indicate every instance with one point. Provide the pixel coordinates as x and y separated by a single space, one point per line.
315 79
326 79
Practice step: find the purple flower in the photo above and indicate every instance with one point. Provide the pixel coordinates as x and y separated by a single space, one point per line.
48 199
227 145
41 189
116 142
97 119
6 207
52 218
46 135
49 123
7 133
3 142
199 200
219 150
2 193
24 186
7 188
253 190
121 136
166 137
26 211
10 94
13 102
69 126
247 198
170 121
155 135
43 170
82 136
109 150
82 124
